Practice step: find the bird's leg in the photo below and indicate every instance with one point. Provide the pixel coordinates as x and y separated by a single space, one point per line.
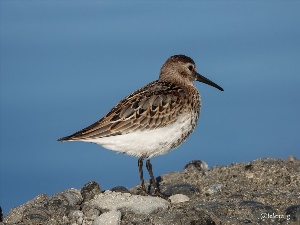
142 185
156 189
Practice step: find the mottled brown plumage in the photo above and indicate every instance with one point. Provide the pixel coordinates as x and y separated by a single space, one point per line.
153 106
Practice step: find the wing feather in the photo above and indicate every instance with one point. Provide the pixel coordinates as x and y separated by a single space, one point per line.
153 106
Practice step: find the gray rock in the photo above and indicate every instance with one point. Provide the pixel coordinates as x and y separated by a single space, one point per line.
36 216
76 217
62 204
41 209
182 188
138 204
197 165
120 189
15 215
293 213
178 198
177 214
111 217
90 212
89 190
69 198
264 191
215 188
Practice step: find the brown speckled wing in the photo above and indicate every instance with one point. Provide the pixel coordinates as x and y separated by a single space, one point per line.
152 106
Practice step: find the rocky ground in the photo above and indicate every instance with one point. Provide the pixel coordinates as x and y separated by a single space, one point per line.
264 191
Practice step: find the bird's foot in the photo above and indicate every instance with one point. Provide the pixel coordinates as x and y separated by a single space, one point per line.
157 193
142 191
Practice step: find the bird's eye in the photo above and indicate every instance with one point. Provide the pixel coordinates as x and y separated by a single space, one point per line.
190 68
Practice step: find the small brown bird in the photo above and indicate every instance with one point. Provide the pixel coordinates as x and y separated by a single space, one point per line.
154 119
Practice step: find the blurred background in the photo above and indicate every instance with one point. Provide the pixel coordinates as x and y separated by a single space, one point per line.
65 64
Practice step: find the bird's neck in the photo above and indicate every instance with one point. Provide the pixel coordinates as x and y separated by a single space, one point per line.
175 78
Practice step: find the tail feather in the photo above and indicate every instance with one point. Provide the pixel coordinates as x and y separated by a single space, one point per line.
64 139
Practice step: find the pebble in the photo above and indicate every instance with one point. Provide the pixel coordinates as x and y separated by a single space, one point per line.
76 217
293 212
199 165
108 218
120 189
178 198
70 197
181 188
216 188
89 190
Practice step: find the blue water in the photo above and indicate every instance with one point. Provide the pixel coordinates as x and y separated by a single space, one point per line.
65 64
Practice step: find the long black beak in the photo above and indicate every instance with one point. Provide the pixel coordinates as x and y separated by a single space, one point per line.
203 79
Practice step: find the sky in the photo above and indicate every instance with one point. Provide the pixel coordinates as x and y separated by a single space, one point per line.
65 64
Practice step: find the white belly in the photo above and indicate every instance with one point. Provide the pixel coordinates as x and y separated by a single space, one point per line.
148 143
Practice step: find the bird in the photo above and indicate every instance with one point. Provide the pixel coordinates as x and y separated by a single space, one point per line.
154 119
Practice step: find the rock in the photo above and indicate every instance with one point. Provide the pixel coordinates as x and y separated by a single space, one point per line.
175 215
15 215
263 191
68 198
216 188
198 165
76 217
89 190
35 216
182 188
111 217
62 204
294 162
120 189
41 209
293 213
178 198
138 204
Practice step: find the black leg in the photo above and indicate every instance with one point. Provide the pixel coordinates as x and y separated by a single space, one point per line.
149 168
140 164
156 189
